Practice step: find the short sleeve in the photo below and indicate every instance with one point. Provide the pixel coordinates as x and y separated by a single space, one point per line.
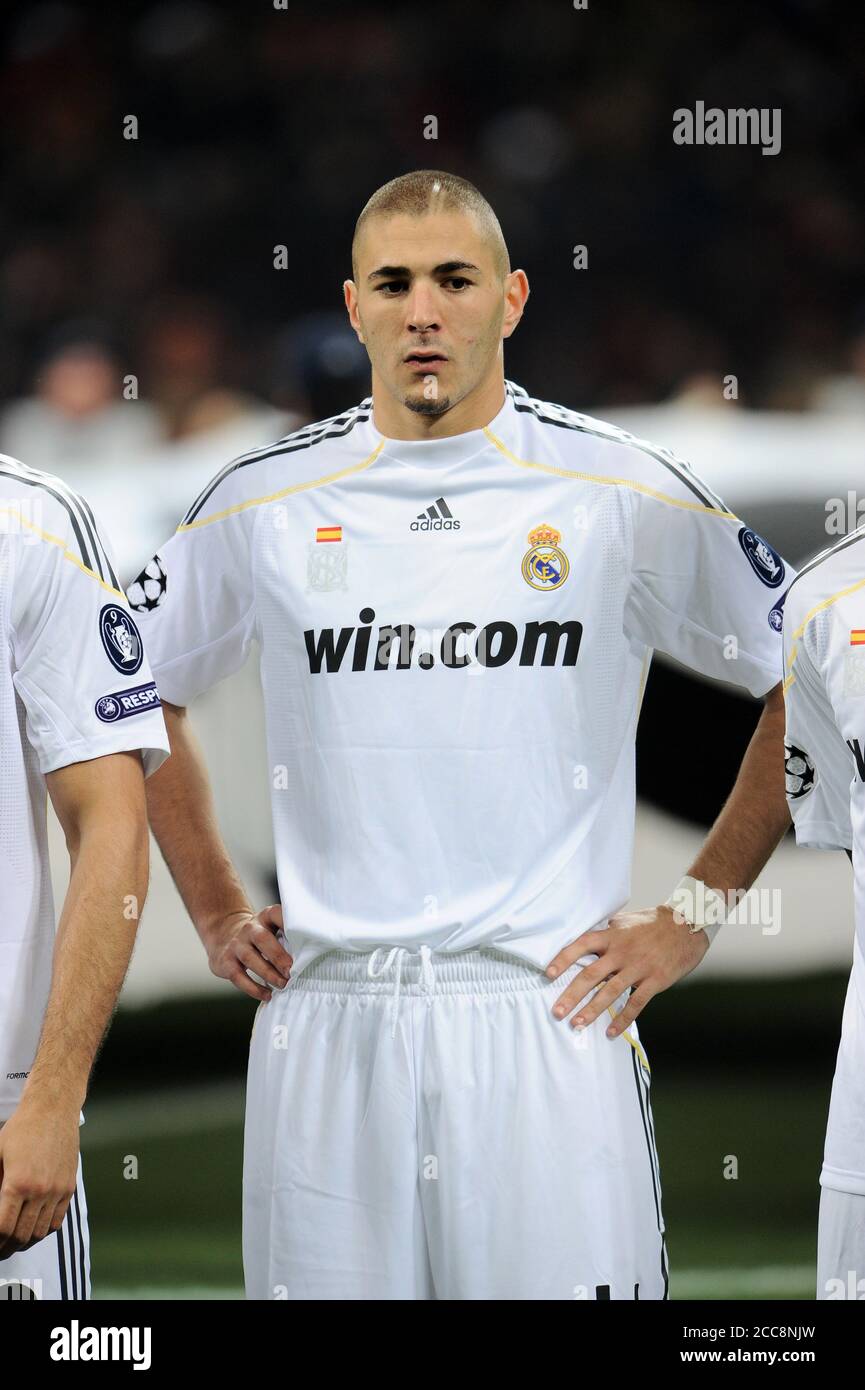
817 760
78 661
704 588
195 603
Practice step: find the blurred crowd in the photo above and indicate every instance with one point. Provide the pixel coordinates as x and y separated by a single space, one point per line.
141 307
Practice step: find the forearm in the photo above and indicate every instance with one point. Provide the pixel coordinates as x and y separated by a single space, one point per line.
93 946
182 816
755 817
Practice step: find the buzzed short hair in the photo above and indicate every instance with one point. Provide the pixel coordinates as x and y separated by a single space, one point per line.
431 190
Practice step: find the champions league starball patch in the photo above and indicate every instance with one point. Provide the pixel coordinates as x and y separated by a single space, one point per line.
147 590
764 561
545 566
121 639
799 771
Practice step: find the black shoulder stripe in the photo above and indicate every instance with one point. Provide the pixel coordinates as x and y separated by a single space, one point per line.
252 454
302 438
78 503
857 535
296 436
98 544
273 452
36 481
84 512
86 515
684 475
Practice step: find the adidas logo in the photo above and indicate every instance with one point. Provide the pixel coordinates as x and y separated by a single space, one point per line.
437 517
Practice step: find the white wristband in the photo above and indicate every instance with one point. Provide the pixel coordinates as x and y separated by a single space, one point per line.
703 908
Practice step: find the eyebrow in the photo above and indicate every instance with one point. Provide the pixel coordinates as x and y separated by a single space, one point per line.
402 272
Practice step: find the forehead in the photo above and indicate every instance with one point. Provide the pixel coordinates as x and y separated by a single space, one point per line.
420 243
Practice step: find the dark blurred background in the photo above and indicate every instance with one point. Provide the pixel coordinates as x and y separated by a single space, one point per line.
146 338
260 126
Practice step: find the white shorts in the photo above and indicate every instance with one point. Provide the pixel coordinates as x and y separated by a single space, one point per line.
57 1267
841 1245
435 1133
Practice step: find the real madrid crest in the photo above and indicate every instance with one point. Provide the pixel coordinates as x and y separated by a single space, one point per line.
546 565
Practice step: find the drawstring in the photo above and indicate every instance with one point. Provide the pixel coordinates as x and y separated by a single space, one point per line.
397 954
427 974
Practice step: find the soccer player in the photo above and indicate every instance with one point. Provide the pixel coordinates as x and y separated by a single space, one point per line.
456 589
79 715
824 691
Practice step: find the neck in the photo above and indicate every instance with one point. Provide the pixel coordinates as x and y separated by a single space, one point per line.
395 421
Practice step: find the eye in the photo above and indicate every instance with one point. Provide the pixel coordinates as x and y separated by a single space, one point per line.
459 280
391 285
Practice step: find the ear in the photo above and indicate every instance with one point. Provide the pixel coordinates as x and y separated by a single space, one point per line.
349 291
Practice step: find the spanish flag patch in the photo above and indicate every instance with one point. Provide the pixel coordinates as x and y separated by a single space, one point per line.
857 637
334 533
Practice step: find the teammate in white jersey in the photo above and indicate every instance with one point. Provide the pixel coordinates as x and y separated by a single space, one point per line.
824 689
456 590
77 703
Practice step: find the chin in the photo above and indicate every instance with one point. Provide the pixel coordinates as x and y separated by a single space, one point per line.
421 405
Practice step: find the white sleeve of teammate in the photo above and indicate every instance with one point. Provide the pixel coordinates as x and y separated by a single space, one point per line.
195 602
705 588
817 760
78 663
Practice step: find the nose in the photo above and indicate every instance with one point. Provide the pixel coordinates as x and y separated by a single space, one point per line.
421 311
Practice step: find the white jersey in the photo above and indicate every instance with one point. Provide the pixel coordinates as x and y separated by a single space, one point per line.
454 637
824 690
74 685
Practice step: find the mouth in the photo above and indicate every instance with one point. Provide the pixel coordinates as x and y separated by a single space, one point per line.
428 361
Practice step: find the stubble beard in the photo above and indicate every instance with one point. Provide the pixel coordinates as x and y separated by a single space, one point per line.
423 405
